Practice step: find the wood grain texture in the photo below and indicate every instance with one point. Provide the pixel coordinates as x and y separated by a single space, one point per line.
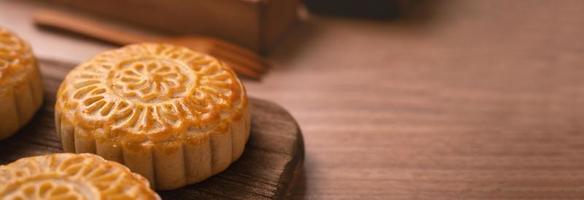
266 170
460 99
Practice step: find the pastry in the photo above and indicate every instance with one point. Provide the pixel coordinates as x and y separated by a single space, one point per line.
71 176
21 89
171 114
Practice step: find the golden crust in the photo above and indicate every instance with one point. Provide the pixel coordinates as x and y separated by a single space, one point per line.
16 58
146 105
71 176
150 92
21 90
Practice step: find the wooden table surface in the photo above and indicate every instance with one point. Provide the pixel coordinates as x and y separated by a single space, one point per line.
458 100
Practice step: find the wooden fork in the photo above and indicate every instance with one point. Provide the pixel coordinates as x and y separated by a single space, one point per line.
243 61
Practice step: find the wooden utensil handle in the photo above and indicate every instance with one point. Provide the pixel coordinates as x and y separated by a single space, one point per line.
90 27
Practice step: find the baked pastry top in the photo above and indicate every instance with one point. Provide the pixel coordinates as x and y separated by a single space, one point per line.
174 115
71 176
21 90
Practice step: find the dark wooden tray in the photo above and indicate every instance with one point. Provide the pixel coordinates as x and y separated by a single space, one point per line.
266 170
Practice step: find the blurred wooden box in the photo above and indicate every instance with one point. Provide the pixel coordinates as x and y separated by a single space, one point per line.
256 24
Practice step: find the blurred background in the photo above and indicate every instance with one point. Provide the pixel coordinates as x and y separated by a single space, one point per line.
418 99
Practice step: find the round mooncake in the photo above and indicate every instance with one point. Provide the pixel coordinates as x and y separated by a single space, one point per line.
21 89
71 176
171 114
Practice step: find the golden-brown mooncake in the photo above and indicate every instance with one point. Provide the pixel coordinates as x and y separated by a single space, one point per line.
69 176
21 88
171 114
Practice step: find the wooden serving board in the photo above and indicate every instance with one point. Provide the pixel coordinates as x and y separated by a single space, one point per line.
266 170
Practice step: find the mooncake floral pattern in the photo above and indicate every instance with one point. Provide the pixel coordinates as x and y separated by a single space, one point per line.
13 52
150 80
150 89
70 177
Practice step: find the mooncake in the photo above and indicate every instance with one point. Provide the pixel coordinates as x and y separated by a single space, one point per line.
66 176
21 89
171 114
